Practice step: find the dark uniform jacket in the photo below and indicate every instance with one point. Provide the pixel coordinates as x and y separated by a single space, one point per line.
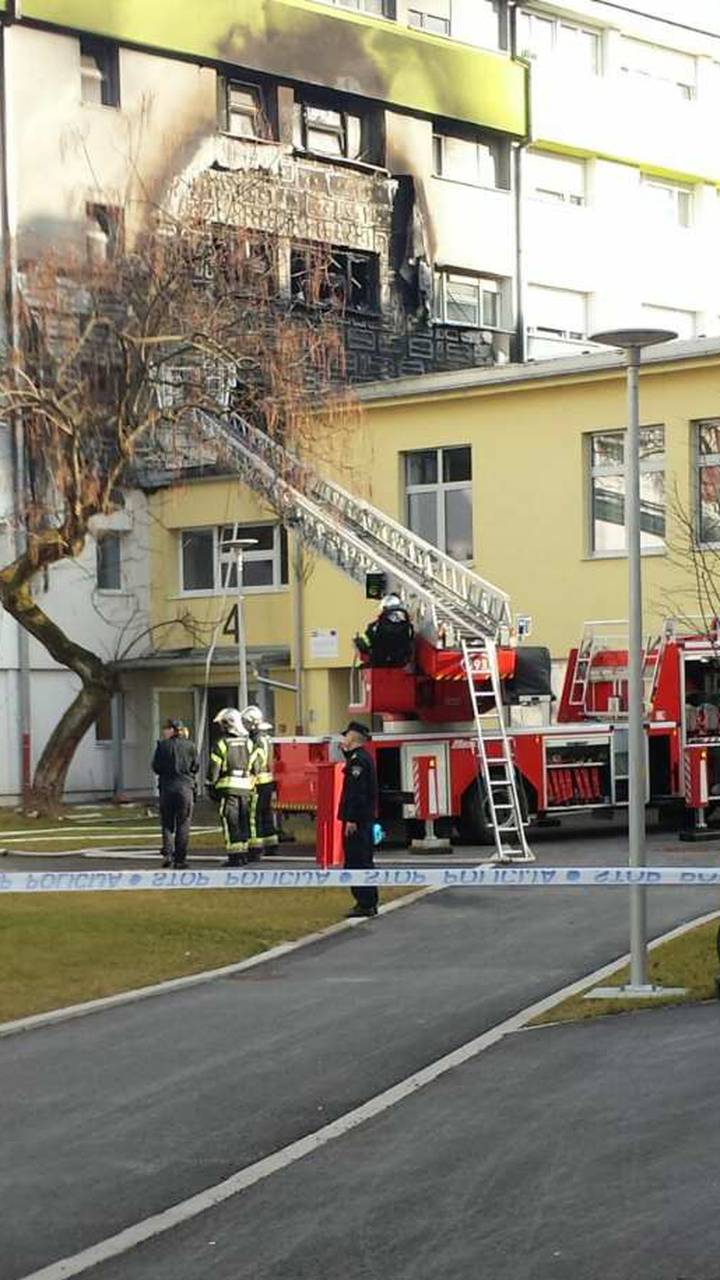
359 798
176 763
229 770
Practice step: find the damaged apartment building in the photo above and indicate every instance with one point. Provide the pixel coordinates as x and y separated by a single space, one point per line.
374 135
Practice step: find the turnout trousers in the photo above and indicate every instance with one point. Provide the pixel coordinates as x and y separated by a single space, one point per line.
263 833
235 819
358 849
176 808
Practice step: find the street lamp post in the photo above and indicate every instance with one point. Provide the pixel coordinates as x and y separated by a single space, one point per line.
632 342
239 546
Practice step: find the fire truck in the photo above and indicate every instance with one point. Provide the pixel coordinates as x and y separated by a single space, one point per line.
467 736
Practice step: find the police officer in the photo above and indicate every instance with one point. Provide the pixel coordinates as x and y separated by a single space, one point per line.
176 764
230 783
388 640
358 811
263 834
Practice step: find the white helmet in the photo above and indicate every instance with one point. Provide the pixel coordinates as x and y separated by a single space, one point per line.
253 719
231 721
391 602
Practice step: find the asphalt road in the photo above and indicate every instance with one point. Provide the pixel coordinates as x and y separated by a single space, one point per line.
111 1118
574 1153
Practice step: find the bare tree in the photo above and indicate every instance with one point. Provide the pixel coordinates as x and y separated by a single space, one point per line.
114 357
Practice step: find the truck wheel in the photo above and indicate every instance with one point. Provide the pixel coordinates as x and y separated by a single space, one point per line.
475 824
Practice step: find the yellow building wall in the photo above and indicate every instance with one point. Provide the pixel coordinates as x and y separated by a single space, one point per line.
531 492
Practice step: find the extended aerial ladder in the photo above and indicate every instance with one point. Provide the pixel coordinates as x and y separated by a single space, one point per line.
446 597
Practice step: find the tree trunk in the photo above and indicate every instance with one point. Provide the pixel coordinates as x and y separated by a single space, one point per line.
99 682
52 768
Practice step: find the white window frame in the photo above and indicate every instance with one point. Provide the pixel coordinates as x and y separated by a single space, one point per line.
348 122
426 19
481 145
596 471
223 558
551 334
684 198
439 488
687 89
556 25
370 7
104 743
700 462
257 115
485 285
563 192
117 538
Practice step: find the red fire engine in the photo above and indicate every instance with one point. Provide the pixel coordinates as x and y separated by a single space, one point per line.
576 762
464 734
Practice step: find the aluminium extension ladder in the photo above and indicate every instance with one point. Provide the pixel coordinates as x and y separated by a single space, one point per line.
501 796
358 538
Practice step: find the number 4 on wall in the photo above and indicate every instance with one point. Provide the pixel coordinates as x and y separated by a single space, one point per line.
231 625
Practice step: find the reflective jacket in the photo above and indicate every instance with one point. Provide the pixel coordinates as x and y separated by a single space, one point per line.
261 758
229 770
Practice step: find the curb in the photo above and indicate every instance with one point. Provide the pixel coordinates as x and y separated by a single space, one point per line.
71 1011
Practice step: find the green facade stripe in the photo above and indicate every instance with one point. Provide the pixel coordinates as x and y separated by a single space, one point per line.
311 43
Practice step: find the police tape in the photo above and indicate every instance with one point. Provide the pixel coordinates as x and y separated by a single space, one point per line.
488 876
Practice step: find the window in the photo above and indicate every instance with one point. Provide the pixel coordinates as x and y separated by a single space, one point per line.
707 493
664 69
557 179
475 161
607 469
680 322
244 110
543 38
99 73
468 300
556 315
432 16
381 8
328 131
103 723
438 497
339 278
104 232
667 202
208 564
109 562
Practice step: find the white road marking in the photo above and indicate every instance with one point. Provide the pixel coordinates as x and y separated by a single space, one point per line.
185 1210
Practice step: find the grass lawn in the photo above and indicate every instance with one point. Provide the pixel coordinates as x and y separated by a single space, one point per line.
58 949
690 961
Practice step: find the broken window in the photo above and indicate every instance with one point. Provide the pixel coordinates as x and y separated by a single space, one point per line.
328 131
469 300
339 278
99 72
104 232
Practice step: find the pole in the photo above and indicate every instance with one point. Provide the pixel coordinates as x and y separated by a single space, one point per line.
298 628
242 651
636 699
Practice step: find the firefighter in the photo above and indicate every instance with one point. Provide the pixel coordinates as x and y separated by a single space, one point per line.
357 812
388 640
230 783
263 833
